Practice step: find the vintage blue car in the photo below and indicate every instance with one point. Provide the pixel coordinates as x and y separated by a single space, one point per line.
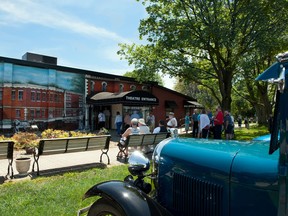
207 177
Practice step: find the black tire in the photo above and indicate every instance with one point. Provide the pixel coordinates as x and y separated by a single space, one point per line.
104 207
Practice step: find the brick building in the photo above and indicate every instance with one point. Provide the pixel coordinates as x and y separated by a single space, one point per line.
36 89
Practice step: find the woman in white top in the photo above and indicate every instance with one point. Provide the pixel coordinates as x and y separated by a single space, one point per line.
204 124
144 129
172 123
134 129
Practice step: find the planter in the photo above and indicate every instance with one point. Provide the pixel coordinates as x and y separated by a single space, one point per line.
23 165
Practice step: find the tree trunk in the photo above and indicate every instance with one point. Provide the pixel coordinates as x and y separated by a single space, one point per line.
225 86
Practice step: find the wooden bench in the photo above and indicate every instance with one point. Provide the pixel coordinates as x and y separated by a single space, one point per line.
6 151
140 140
71 144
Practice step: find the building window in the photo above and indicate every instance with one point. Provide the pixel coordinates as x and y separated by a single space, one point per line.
32 113
1 94
43 113
92 84
32 96
38 96
20 95
144 88
104 86
133 87
56 98
51 97
13 95
18 113
38 114
121 88
43 96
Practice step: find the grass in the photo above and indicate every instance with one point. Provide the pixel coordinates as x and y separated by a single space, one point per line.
243 133
56 195
249 134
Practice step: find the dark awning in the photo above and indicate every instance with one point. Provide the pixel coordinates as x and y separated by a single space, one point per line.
126 98
193 104
170 104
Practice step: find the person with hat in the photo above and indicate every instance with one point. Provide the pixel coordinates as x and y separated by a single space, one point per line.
172 121
144 129
134 129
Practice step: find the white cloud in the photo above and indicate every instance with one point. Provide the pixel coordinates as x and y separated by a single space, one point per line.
26 11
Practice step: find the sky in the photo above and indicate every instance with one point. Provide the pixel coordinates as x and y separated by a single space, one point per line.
81 34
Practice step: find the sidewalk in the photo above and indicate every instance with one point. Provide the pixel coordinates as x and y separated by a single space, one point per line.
59 163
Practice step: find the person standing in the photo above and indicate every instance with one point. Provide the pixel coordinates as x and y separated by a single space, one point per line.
228 124
187 122
107 118
246 122
151 121
101 120
204 124
127 121
218 122
135 115
118 122
172 121
195 124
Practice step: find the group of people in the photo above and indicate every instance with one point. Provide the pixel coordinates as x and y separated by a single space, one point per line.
205 122
139 126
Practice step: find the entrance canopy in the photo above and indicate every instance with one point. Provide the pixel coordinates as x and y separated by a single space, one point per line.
132 98
193 104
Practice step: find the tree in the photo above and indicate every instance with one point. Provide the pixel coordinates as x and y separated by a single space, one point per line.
204 40
195 91
135 74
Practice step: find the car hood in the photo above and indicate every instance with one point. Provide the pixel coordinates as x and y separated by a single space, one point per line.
236 161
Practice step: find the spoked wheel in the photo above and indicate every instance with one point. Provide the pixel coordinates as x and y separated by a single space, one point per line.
104 207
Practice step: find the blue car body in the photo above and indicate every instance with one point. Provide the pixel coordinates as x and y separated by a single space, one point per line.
198 177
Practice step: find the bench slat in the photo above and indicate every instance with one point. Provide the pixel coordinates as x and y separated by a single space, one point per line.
79 145
54 146
134 140
160 137
6 149
148 139
96 143
3 150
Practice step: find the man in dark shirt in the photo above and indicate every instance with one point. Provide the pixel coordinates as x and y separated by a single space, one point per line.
228 124
195 124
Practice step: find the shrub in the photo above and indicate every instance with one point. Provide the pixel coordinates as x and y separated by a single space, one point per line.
80 134
25 139
51 133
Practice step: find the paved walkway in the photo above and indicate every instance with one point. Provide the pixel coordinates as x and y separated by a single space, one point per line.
57 163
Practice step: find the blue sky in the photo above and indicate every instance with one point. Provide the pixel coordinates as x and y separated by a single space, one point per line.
81 34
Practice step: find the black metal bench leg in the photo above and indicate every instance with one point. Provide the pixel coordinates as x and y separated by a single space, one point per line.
121 152
10 169
105 152
36 158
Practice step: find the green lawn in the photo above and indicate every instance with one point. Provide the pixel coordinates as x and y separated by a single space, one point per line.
56 195
252 132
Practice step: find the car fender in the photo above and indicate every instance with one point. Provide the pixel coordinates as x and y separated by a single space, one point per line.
132 200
